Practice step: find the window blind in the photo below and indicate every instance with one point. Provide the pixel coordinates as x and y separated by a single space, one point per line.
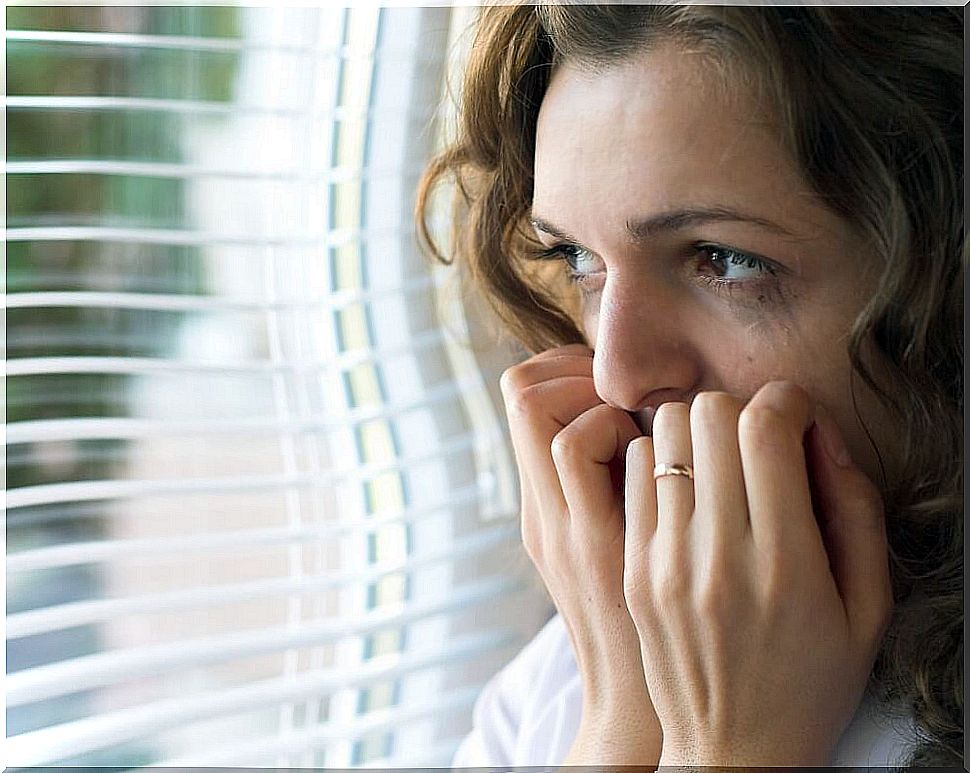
260 508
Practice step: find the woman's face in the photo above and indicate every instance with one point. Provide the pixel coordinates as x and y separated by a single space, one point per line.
703 259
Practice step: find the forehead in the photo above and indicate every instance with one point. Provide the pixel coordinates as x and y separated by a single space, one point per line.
661 131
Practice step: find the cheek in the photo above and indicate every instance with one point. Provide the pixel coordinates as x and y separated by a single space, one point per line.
741 366
828 379
589 315
825 372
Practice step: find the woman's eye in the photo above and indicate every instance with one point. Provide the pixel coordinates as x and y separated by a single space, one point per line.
728 265
579 262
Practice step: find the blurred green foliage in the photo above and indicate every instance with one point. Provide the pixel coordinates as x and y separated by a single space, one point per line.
41 133
46 69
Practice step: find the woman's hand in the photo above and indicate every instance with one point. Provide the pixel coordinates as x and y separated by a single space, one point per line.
569 447
760 591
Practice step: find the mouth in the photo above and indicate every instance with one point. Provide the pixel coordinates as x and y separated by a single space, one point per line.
644 420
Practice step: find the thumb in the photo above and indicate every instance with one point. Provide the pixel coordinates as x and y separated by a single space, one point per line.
851 519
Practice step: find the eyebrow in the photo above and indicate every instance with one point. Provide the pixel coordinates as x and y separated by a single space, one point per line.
675 220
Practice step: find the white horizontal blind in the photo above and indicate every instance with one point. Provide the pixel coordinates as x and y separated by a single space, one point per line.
257 505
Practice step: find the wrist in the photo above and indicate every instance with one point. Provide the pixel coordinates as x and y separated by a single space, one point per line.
603 742
618 729
688 757
614 694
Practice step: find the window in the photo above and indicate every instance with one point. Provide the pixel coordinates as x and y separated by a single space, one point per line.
258 503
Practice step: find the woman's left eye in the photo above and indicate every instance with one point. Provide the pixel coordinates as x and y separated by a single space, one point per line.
723 264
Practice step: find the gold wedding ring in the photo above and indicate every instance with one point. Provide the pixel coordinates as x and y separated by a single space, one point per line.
663 469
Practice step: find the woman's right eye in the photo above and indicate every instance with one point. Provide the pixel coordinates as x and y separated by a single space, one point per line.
580 263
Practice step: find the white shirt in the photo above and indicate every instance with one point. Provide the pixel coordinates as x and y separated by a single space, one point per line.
528 714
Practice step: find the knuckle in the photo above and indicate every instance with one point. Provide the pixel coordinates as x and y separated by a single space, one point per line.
637 593
670 415
513 381
776 581
564 446
778 407
670 586
672 408
763 424
710 408
639 451
509 380
526 398
636 578
782 393
598 415
523 400
715 600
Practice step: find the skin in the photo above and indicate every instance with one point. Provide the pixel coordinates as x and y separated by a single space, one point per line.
733 619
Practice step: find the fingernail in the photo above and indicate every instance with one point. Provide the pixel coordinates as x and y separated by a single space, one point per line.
832 438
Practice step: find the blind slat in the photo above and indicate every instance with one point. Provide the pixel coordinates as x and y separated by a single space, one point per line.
194 107
37 366
41 747
214 44
183 238
86 491
244 754
129 40
97 428
90 671
110 167
55 430
91 552
208 303
137 105
77 613
344 100
80 491
460 497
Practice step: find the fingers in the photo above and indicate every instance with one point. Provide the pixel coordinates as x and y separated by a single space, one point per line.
771 431
672 445
571 360
829 529
535 416
533 385
542 395
640 494
583 453
575 360
719 490
850 516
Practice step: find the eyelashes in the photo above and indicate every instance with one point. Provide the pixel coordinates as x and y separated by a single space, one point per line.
721 261
569 254
714 267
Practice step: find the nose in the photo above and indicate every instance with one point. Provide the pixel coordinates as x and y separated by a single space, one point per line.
644 352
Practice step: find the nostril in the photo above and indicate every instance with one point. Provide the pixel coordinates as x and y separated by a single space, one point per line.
617 394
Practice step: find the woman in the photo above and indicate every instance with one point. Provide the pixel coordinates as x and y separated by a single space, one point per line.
734 236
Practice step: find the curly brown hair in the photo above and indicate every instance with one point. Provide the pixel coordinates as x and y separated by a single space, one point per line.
870 102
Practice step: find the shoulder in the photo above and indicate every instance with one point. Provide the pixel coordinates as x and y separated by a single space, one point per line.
530 709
